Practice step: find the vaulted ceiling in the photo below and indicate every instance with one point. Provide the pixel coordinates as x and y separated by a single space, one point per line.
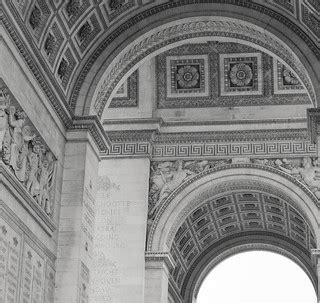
65 42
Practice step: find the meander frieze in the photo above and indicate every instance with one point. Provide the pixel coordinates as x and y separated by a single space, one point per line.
26 155
210 145
191 29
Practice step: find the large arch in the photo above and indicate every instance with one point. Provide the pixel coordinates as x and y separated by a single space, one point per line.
232 209
119 59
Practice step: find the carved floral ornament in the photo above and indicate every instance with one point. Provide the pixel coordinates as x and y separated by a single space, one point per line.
167 176
241 74
25 155
188 76
218 27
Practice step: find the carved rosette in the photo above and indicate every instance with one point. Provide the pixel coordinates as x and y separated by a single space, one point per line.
241 74
289 77
188 76
25 154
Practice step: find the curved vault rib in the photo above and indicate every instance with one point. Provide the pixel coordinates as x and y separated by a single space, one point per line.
183 30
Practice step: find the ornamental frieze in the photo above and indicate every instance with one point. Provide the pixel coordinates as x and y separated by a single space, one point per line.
25 154
167 176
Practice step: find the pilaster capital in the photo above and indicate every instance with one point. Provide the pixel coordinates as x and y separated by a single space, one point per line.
315 252
315 256
161 257
89 125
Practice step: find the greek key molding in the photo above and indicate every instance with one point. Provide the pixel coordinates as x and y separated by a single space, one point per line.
128 149
233 149
210 145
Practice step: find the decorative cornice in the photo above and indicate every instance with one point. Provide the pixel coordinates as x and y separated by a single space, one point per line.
315 252
233 136
93 125
160 257
135 135
26 200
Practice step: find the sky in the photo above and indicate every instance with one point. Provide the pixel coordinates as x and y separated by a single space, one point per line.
257 277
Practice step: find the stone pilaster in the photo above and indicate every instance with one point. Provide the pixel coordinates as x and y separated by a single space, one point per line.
316 256
157 277
75 238
120 231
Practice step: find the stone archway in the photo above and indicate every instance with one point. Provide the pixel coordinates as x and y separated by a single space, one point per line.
87 86
182 31
231 209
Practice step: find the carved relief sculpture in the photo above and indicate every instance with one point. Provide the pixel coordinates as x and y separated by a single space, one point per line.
4 104
308 172
165 177
26 156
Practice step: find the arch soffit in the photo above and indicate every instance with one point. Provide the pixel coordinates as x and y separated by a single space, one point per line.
218 181
157 39
202 270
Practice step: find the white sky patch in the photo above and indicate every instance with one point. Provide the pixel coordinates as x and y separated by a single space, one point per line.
257 277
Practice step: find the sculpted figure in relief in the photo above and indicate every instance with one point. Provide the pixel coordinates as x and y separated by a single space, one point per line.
29 160
32 184
46 182
20 137
167 176
308 173
4 105
166 179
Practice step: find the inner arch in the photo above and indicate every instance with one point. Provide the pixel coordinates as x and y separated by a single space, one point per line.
173 33
237 219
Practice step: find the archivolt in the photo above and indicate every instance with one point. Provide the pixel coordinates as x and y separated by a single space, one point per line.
214 183
184 30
